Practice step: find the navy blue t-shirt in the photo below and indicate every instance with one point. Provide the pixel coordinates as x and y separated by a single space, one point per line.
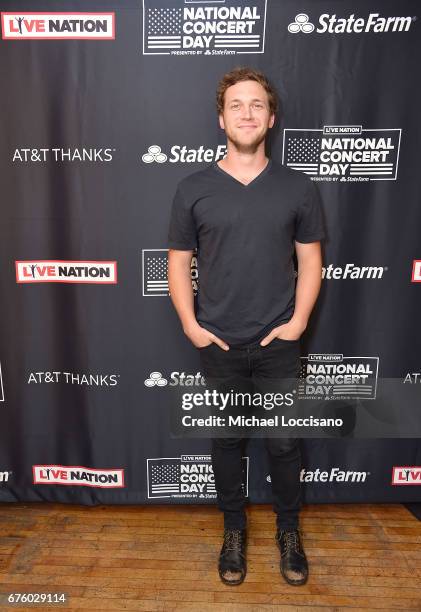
244 236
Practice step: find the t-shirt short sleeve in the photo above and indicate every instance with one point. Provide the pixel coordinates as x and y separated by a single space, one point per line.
309 225
182 230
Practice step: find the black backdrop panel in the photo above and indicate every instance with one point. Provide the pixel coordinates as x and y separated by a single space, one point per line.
99 124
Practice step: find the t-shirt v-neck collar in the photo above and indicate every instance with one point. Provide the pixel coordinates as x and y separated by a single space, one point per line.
239 183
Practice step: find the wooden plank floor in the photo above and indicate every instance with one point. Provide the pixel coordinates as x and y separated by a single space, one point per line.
362 557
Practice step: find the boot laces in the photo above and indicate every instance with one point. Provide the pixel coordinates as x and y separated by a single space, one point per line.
233 539
292 540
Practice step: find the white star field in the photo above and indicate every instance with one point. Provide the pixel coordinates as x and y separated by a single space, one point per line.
157 268
165 473
303 150
164 21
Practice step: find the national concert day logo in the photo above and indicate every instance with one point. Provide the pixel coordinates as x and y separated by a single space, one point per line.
52 271
332 376
54 26
345 153
226 27
188 476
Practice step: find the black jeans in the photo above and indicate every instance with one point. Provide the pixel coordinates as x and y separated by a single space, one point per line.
277 360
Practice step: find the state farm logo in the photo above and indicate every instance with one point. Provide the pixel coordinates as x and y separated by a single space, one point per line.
353 272
155 273
182 154
201 28
177 379
78 475
345 153
335 474
188 476
36 25
332 376
416 271
301 24
331 24
406 475
57 271
156 380
57 154
154 155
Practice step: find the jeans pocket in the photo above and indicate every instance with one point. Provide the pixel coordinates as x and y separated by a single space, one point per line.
288 341
202 348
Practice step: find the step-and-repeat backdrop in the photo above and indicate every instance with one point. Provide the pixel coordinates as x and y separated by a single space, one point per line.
105 106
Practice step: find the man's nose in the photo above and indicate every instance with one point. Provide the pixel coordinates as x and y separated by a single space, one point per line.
247 112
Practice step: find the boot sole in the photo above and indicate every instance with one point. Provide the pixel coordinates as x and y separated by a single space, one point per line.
294 582
232 582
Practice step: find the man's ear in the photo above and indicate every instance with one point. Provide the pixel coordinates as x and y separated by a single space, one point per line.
271 120
221 121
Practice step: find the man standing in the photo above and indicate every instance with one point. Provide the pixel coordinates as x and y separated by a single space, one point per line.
245 215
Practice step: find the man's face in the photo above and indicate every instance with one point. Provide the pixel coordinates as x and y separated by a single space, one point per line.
246 117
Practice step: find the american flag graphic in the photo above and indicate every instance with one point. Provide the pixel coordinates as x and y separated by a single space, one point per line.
163 28
164 477
155 272
303 152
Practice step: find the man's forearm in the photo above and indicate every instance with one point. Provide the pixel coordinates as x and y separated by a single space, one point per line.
181 293
307 289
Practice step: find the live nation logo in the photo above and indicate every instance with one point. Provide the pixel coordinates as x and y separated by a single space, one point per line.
332 376
78 475
406 475
57 25
416 271
57 271
345 153
155 272
221 27
188 476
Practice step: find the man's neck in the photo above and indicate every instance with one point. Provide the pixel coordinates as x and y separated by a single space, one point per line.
244 168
